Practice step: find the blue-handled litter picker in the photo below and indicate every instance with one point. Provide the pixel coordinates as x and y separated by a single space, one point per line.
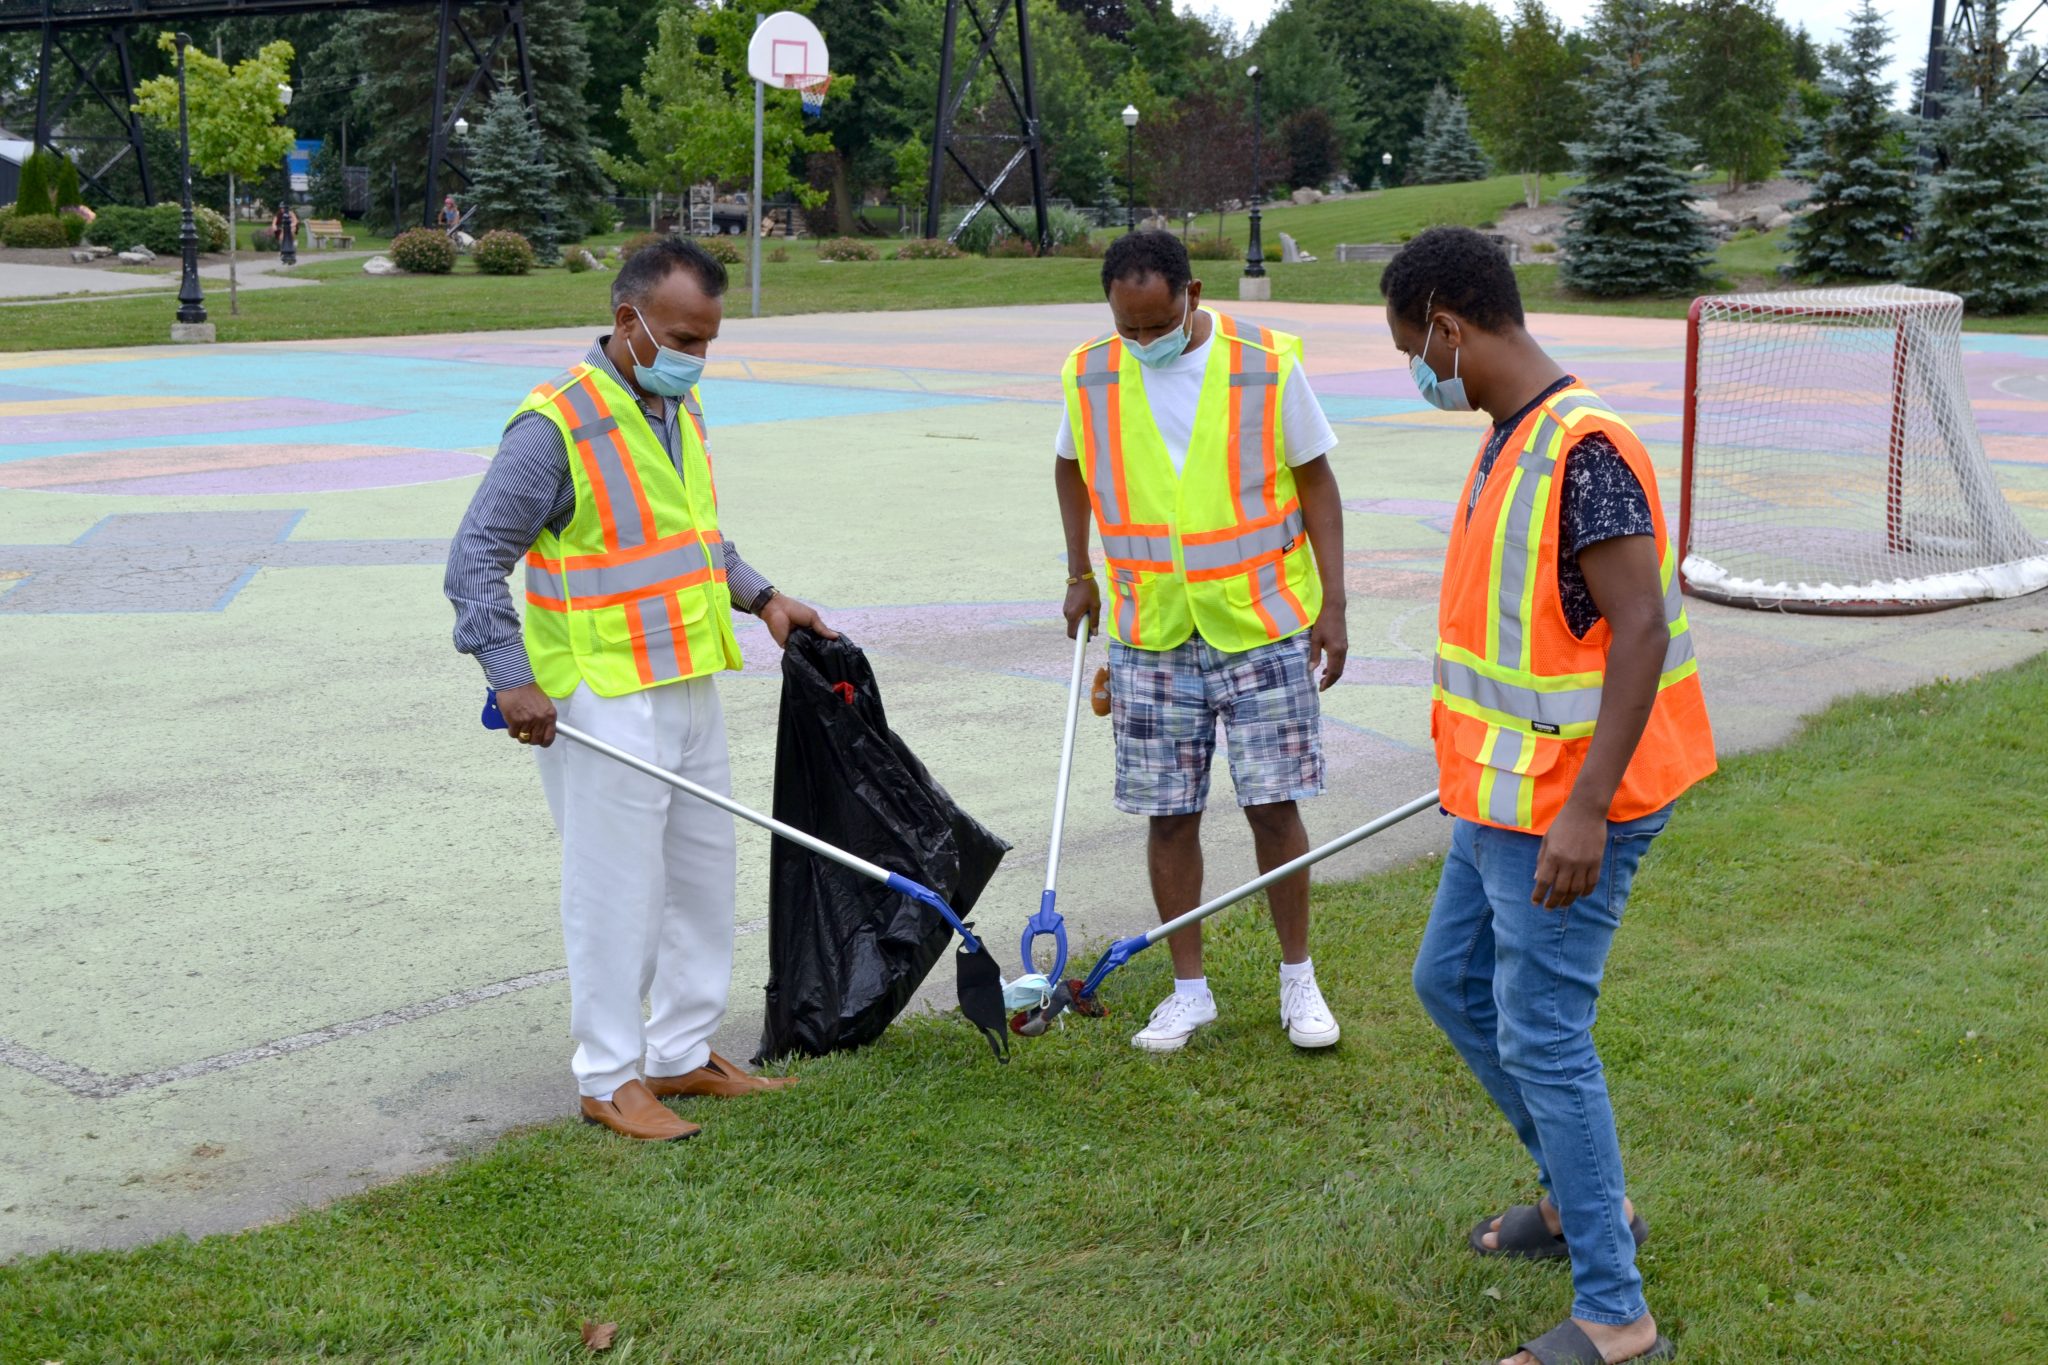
980 983
1030 993
1080 996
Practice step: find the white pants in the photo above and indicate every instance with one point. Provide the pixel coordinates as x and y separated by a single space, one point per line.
647 882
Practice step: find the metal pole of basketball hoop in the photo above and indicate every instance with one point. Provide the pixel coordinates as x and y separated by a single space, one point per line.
754 200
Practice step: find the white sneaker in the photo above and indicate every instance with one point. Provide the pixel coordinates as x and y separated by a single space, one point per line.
1174 1022
1303 1014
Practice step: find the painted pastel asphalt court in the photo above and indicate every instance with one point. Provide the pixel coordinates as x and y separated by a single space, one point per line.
282 919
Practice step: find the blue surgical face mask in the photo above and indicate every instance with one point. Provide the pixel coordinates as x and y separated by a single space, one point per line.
1166 349
1448 394
673 373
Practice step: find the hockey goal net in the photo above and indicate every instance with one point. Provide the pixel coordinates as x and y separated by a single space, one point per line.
1831 460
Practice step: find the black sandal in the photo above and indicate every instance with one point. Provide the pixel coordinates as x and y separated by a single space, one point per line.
1525 1236
1568 1344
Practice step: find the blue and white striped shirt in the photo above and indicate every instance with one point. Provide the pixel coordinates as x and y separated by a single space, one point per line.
528 489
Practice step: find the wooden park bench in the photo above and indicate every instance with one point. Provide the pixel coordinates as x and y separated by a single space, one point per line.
324 232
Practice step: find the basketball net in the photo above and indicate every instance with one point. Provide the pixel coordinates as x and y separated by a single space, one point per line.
810 90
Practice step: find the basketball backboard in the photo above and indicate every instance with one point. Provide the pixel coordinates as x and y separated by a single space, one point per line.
788 52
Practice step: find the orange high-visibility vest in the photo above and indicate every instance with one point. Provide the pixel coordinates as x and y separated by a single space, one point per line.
1221 547
1516 693
632 594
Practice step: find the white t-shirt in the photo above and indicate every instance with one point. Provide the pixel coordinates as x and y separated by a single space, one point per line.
1173 391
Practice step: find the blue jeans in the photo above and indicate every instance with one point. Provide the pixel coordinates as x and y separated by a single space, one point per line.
1514 986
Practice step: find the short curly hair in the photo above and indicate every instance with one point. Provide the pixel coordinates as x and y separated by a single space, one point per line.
1135 255
1466 272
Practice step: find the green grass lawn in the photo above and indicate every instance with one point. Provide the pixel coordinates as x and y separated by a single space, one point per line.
350 303
1384 215
1825 1029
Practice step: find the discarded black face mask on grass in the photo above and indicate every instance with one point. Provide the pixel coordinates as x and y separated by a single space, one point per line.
845 953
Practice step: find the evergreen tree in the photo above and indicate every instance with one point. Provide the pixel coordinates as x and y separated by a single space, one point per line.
1449 153
1863 203
1631 229
326 182
1984 230
511 179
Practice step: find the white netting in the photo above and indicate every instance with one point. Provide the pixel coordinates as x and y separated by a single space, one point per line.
1835 464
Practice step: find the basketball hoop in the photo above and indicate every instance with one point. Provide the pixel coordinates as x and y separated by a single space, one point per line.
813 94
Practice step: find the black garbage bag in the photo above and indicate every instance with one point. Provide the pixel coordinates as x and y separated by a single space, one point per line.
845 953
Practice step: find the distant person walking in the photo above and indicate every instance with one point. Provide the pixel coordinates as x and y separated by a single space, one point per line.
284 225
451 216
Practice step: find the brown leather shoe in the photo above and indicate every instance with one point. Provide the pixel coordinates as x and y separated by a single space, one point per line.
717 1077
633 1111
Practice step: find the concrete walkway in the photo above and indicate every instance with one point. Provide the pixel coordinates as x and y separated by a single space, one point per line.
282 919
23 284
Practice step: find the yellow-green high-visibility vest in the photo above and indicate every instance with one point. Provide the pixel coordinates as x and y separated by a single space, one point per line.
1221 547
632 594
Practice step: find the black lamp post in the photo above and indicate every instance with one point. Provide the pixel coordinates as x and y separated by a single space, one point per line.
1255 254
191 302
287 220
1130 168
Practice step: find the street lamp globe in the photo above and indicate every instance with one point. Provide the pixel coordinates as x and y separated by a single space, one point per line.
462 127
1386 158
1130 116
284 94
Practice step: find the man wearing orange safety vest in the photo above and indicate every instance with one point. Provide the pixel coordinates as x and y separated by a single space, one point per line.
1198 446
602 484
1567 718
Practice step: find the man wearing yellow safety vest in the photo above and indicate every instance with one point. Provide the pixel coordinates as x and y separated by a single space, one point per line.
1200 449
1567 717
603 485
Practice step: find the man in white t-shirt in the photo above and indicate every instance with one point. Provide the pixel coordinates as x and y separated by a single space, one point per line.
1197 445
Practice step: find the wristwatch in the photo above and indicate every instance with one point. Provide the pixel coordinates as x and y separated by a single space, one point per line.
766 596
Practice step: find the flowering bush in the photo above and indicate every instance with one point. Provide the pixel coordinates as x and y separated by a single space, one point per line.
847 249
423 251
502 253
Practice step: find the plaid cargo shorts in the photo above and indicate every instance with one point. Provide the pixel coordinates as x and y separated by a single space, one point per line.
1164 708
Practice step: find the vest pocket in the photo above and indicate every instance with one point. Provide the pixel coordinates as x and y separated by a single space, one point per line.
1510 761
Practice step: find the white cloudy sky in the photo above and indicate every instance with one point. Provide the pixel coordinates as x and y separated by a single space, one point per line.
1825 19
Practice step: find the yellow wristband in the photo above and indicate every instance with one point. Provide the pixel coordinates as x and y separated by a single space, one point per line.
1088 577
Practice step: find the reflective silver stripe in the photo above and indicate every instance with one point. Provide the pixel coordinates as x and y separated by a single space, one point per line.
1523 537
1096 373
1267 580
610 461
1222 554
1679 652
1138 549
611 579
659 617
1505 805
691 405
1573 706
1259 380
1126 595
543 584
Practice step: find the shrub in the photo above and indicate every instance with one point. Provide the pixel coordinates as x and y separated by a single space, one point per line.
212 229
980 235
1272 252
779 255
929 249
121 226
1214 249
423 251
1011 248
847 249
33 230
1063 226
264 239
1086 248
1544 248
599 218
633 246
575 261
721 249
502 253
